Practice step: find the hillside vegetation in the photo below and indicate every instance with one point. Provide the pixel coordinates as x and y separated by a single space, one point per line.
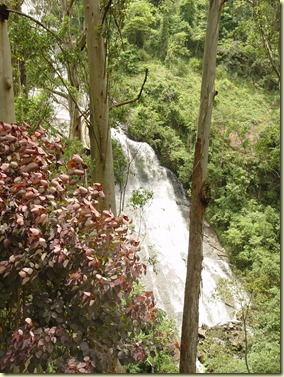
166 38
244 158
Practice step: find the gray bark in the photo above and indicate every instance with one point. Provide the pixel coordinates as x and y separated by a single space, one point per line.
199 195
100 136
7 109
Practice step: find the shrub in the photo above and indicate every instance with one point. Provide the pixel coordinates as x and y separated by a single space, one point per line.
67 269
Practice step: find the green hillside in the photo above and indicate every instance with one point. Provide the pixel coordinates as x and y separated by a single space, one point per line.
244 157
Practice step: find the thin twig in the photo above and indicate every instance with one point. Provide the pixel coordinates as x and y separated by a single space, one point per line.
134 99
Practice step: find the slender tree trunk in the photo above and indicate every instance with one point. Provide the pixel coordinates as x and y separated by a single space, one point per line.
199 194
75 116
7 109
73 75
100 136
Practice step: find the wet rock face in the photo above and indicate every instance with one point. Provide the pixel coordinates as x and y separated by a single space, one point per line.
229 337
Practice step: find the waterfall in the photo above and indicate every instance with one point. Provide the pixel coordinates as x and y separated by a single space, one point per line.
163 229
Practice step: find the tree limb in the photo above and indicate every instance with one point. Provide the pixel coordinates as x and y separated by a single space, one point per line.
119 32
106 10
37 22
60 42
57 92
82 114
71 5
133 99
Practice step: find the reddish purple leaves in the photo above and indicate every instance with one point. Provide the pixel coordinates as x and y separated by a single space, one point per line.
67 269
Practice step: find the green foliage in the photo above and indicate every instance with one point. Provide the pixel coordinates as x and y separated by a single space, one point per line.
219 360
120 163
140 197
163 120
36 109
157 362
249 43
253 237
244 157
153 259
244 169
267 151
188 10
255 347
265 350
75 146
177 48
32 69
139 20
265 357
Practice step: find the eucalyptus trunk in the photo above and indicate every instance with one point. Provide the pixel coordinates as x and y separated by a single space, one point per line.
100 136
75 130
7 109
74 111
199 194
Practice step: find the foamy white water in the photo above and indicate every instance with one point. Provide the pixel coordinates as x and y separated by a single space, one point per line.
164 230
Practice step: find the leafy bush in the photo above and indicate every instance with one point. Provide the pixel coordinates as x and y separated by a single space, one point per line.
139 20
140 197
36 109
157 362
67 269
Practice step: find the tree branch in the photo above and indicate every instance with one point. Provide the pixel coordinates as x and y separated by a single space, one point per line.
82 114
50 63
119 32
134 99
37 22
56 92
106 10
71 5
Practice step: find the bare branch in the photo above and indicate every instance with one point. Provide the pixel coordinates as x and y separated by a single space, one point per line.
82 114
57 92
71 4
106 10
119 32
134 99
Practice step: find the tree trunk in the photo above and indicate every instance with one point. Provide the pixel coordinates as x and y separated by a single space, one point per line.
7 109
199 194
21 79
100 136
75 130
74 111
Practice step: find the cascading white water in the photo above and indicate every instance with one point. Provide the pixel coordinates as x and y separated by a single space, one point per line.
163 227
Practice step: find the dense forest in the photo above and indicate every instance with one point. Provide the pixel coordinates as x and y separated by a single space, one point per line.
51 320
